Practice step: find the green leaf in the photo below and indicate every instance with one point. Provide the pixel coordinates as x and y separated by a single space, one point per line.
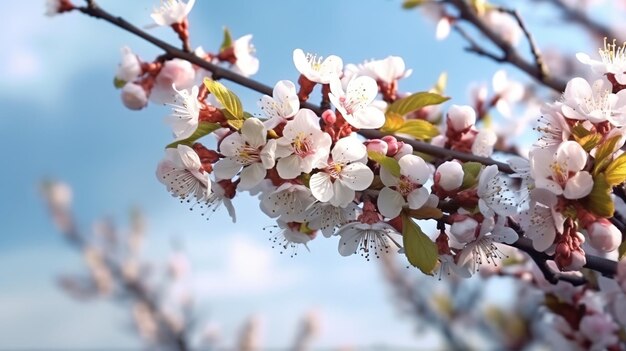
393 122
389 163
622 251
409 4
419 129
579 131
588 142
118 83
204 128
471 170
603 154
232 105
599 200
616 171
227 41
415 102
419 249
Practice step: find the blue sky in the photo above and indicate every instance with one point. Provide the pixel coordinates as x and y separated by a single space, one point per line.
61 117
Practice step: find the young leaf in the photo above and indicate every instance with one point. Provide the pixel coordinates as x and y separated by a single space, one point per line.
419 249
599 200
589 141
415 102
409 4
118 83
616 171
227 98
389 163
579 131
471 170
227 41
419 129
442 82
603 154
393 122
204 128
622 251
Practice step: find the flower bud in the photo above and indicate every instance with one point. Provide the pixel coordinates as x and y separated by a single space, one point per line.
130 67
134 96
484 142
464 230
404 149
392 145
603 235
329 117
449 175
461 117
377 145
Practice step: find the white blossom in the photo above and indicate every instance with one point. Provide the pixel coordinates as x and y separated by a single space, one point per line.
366 238
315 69
185 113
246 62
182 174
355 104
288 202
404 190
596 103
326 217
282 105
494 193
171 12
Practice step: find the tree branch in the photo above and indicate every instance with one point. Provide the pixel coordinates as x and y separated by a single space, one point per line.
604 266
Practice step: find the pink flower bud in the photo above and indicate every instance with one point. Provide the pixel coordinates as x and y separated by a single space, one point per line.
577 261
461 117
134 96
603 235
404 149
377 145
449 175
464 230
392 145
329 117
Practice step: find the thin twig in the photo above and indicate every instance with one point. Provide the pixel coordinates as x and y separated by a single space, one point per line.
573 14
509 53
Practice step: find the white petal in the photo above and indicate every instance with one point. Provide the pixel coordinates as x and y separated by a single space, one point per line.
544 183
571 156
330 68
357 176
368 117
189 158
231 144
578 186
390 203
363 90
321 186
349 240
417 198
268 154
343 195
348 149
251 176
505 235
415 168
387 178
254 132
226 168
289 167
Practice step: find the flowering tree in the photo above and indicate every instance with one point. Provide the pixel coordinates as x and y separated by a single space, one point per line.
373 165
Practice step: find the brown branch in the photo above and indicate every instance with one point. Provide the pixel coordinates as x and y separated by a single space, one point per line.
509 53
604 266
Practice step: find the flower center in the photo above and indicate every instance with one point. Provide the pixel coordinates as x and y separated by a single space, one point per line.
314 61
302 146
612 53
406 186
559 174
249 155
334 170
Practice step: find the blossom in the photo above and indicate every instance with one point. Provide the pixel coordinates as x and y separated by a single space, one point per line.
464 230
561 172
406 189
494 195
288 202
246 62
600 329
292 235
248 149
461 118
54 7
387 70
315 69
612 60
184 117
130 67
505 25
552 126
507 91
355 103
594 103
366 238
302 146
134 96
174 73
217 198
484 142
483 248
181 172
283 103
326 217
342 175
171 12
603 235
541 222
449 175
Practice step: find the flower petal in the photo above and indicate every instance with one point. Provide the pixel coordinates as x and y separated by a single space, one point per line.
417 198
578 186
321 186
226 168
251 176
289 167
254 132
348 149
390 202
357 176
